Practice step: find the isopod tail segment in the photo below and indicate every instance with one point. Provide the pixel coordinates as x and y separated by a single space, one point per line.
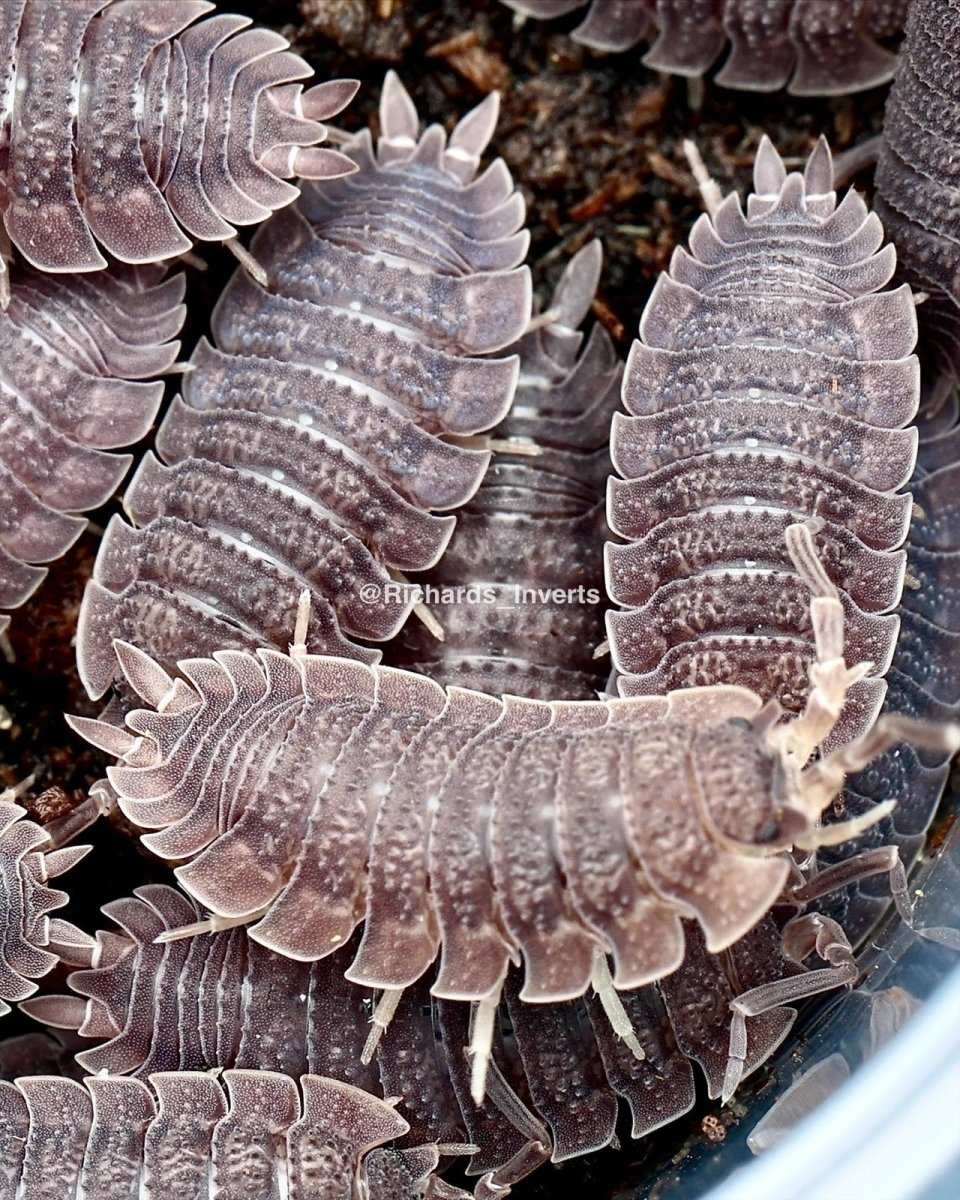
31 941
140 130
310 795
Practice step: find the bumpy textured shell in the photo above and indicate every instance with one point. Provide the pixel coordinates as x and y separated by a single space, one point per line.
254 1135
30 941
225 1001
302 786
312 442
122 127
73 353
772 378
918 175
536 523
821 47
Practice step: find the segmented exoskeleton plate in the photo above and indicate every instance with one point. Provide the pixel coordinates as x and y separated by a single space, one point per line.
251 1134
122 127
772 378
518 591
74 355
918 177
312 446
310 795
819 47
30 940
226 1001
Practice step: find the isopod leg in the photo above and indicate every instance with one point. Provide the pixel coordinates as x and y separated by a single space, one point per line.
710 194
801 937
247 261
877 861
497 1184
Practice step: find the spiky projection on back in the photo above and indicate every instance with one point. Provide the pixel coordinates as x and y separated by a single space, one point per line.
125 130
31 941
816 47
73 355
312 443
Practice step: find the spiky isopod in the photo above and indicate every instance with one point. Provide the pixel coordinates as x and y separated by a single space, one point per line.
123 127
30 939
74 353
313 445
311 794
818 47
773 378
256 1135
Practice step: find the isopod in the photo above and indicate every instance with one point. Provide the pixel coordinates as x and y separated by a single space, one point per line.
324 440
817 47
125 129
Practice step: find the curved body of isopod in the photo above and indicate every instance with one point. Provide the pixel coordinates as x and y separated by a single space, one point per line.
76 355
307 795
32 941
324 439
518 590
254 1134
814 47
123 129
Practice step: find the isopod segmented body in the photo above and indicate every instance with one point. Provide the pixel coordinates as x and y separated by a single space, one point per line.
917 175
30 940
772 378
75 355
123 127
225 1001
818 47
518 590
254 1134
315 445
308 795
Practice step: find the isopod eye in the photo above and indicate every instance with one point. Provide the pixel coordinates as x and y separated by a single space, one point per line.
770 832
739 722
